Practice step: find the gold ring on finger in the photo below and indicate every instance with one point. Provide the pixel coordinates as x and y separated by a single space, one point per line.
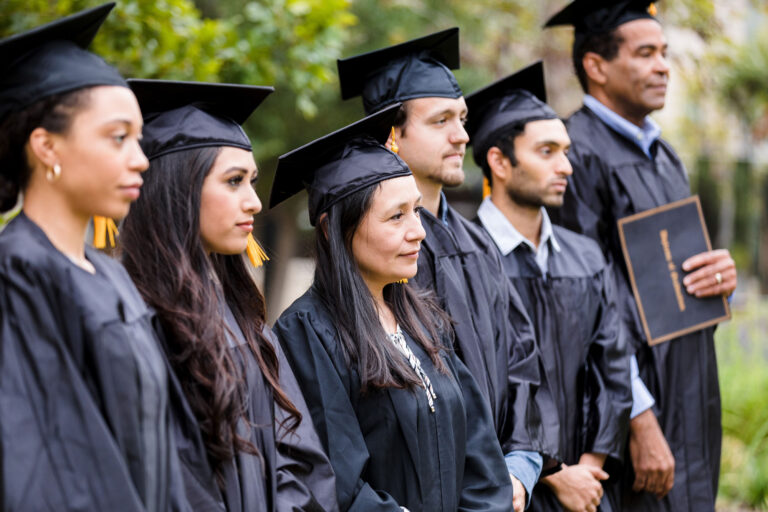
719 278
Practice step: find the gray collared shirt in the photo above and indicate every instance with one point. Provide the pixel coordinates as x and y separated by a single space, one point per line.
644 137
507 238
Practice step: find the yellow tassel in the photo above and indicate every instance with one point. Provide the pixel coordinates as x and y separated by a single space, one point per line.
486 188
402 281
652 10
103 226
255 253
394 147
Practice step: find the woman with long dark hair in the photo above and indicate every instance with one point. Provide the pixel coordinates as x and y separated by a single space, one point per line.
86 400
401 418
184 244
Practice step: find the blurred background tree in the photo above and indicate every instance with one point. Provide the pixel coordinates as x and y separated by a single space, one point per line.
716 117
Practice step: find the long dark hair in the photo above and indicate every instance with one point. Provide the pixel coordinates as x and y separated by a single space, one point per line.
55 114
340 286
164 255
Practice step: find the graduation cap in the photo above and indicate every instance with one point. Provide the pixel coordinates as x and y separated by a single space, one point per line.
52 59
508 103
187 115
420 68
600 16
339 164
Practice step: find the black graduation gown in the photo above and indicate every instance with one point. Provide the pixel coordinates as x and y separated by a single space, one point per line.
291 472
85 421
585 360
387 449
613 178
493 335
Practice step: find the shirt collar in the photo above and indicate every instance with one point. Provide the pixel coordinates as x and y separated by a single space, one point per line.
506 237
643 137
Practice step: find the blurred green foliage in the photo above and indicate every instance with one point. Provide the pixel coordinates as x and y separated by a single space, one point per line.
742 353
291 44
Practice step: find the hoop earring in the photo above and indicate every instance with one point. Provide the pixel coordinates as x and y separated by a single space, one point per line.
54 173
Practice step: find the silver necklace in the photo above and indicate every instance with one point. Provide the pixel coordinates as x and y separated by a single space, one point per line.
399 340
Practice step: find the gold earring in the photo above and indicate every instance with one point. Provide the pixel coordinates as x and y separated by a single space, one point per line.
54 173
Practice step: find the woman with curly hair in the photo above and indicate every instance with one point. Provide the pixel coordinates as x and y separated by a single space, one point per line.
184 245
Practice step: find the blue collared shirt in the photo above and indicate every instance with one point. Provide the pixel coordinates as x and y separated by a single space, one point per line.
507 238
644 137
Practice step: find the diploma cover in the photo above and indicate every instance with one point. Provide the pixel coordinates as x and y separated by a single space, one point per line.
655 243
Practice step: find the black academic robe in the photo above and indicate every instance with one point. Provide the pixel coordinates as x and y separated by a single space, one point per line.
85 413
613 178
493 335
387 449
585 359
290 473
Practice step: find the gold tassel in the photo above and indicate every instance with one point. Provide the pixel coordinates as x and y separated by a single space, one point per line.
652 10
486 188
103 226
394 147
255 253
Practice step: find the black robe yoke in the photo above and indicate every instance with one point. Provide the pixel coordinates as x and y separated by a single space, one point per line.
85 413
585 359
613 178
493 335
387 449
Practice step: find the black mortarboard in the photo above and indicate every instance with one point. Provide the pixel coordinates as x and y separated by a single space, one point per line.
420 68
507 103
600 16
186 115
339 164
51 59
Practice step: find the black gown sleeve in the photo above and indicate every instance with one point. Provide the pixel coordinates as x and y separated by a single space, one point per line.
326 385
609 395
57 451
531 422
305 479
485 485
587 199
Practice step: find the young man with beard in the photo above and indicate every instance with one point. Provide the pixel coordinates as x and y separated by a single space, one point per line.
493 334
563 279
621 167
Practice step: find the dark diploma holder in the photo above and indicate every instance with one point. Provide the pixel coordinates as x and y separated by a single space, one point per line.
655 243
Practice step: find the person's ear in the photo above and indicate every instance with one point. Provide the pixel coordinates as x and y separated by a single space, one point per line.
499 165
594 67
41 147
322 223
